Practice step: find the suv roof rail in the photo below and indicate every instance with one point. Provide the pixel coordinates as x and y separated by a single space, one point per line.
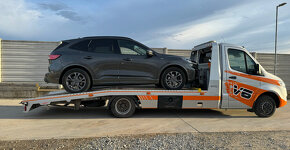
106 37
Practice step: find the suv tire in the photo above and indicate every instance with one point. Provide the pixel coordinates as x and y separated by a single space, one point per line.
173 78
76 80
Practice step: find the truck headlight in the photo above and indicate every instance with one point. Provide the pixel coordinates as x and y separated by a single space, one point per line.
282 83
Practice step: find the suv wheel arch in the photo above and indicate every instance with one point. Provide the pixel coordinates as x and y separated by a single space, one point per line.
72 67
169 66
273 95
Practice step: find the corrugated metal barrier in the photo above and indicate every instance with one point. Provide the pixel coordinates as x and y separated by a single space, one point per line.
25 61
283 65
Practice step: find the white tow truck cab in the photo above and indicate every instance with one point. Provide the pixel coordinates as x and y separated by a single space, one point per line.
228 77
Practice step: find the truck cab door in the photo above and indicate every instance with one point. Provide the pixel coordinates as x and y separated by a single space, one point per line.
239 74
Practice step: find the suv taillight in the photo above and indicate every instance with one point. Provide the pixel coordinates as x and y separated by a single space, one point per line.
53 57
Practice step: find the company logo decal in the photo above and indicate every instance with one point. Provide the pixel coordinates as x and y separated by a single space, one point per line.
245 93
242 92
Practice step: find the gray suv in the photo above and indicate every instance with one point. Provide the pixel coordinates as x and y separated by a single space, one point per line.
79 64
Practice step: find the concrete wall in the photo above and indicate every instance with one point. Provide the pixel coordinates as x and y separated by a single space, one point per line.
178 52
27 61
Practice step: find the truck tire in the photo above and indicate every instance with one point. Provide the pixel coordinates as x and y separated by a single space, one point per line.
265 106
76 80
173 78
122 106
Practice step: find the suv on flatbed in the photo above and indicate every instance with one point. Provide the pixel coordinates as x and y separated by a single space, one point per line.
78 64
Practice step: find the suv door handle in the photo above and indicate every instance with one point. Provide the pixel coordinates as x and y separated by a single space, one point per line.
233 77
127 59
88 57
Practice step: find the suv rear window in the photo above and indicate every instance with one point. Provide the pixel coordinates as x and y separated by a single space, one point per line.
82 45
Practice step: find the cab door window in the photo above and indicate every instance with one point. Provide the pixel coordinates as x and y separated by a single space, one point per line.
251 65
131 48
237 60
241 61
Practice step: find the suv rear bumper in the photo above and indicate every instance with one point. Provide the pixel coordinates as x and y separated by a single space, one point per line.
51 78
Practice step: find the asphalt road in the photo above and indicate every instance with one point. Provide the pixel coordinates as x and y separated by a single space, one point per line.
57 123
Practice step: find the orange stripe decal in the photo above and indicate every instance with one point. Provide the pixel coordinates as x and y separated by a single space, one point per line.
262 79
139 97
148 97
216 98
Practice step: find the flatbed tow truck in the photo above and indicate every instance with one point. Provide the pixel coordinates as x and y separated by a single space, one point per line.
228 78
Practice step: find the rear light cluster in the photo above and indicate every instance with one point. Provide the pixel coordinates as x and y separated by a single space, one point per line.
53 57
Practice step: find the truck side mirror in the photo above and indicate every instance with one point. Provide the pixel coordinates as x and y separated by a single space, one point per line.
258 68
150 53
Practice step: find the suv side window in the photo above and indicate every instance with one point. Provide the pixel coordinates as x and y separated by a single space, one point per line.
82 45
241 61
131 48
104 46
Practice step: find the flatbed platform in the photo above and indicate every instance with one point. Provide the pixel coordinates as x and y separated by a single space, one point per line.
147 95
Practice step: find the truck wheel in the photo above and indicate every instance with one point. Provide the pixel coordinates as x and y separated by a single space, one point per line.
122 107
76 80
265 106
173 78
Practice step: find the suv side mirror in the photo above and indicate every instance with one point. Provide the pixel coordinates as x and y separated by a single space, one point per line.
150 53
258 68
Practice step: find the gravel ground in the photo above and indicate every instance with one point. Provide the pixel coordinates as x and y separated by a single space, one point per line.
218 140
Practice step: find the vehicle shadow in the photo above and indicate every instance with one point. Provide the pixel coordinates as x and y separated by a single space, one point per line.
16 112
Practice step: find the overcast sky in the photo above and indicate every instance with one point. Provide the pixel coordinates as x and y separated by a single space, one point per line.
156 23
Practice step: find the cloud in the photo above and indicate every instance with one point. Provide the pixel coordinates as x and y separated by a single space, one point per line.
24 22
61 9
71 15
253 29
201 30
161 23
53 6
15 17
